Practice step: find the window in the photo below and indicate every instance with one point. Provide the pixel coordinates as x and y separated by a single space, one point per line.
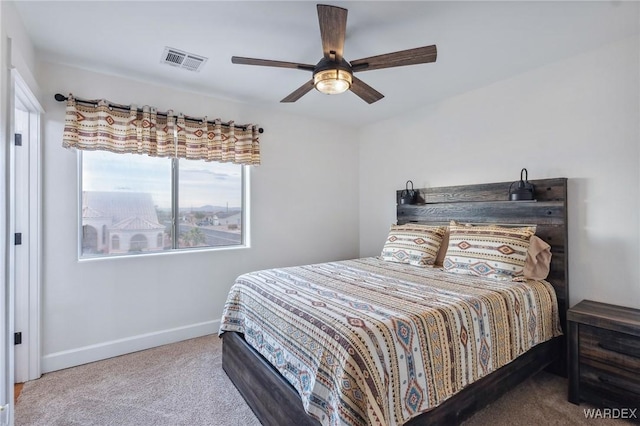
133 204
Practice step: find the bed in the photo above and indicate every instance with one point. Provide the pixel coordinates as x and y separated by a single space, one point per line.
373 368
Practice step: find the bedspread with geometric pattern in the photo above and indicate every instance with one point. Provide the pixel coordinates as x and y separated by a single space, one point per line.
370 342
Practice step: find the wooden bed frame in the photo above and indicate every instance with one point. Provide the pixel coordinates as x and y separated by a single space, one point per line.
275 402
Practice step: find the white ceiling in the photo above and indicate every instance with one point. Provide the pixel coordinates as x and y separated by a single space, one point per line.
478 43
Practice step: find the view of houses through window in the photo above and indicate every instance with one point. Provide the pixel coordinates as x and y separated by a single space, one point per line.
129 205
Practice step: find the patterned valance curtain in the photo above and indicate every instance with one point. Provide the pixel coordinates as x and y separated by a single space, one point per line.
145 131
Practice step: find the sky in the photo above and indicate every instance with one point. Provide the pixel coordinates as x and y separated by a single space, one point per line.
201 183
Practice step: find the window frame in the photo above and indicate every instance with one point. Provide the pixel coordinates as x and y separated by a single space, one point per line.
246 226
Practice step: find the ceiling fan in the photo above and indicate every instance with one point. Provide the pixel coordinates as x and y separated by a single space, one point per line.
333 74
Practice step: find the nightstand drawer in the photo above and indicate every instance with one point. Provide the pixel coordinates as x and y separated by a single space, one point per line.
618 352
608 387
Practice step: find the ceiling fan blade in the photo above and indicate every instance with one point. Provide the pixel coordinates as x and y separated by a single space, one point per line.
270 63
333 27
419 55
364 91
299 92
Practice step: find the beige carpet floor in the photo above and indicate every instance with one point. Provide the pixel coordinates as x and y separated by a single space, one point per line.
184 384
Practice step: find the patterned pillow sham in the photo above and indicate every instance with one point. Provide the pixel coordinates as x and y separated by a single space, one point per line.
491 251
413 243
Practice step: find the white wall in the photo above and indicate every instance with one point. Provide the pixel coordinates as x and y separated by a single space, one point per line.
577 118
23 54
302 211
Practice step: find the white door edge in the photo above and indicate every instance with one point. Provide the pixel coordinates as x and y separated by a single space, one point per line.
30 356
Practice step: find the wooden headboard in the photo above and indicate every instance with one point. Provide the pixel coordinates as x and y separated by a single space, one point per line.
488 203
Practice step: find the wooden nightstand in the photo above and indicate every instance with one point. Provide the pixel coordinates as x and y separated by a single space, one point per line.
604 355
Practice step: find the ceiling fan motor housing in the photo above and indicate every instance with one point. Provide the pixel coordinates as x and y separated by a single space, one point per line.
327 64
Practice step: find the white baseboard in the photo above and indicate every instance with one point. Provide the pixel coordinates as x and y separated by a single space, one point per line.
86 354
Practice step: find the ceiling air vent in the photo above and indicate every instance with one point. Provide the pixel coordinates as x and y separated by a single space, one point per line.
181 59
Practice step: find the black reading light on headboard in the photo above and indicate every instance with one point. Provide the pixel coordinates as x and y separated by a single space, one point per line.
524 190
408 196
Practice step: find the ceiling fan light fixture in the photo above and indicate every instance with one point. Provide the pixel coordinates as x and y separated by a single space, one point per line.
332 81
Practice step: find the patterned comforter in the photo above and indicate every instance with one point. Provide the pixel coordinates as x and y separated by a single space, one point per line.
372 342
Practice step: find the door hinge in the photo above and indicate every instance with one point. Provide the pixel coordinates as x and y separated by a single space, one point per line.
17 240
17 338
17 138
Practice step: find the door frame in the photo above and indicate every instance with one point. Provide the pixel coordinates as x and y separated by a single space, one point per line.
29 361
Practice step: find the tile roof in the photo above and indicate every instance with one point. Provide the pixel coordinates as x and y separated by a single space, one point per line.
136 223
127 210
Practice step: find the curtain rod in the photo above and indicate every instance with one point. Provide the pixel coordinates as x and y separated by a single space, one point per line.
63 98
